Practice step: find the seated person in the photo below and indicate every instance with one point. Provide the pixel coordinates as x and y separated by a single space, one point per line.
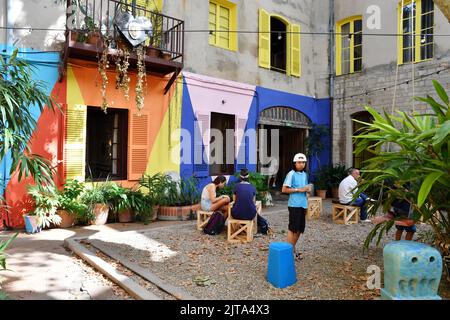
347 188
244 197
209 201
402 209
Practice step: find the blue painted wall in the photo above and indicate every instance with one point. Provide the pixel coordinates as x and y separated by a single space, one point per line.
317 110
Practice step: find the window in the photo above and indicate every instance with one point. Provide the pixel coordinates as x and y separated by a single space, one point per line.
279 44
360 158
349 46
222 19
106 144
221 122
416 46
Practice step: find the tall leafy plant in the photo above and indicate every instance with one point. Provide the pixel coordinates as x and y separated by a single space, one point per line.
3 246
416 164
18 93
315 143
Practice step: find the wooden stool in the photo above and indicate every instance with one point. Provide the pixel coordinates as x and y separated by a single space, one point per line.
345 214
203 218
315 207
255 220
240 230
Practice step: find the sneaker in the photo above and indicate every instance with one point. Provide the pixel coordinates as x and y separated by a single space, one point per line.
298 256
366 221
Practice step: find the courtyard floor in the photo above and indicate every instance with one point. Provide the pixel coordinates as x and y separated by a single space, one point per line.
206 267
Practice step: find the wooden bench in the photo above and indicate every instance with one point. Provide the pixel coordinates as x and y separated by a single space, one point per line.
344 214
315 207
203 218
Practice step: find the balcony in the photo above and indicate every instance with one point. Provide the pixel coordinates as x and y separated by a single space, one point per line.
90 22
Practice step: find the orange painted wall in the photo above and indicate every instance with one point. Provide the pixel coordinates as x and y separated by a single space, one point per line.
45 142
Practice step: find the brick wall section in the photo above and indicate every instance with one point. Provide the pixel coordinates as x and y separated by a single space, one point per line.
381 77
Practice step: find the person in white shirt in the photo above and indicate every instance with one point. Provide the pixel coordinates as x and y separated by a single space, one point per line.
347 188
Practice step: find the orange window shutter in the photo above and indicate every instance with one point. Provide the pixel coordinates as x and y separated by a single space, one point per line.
139 148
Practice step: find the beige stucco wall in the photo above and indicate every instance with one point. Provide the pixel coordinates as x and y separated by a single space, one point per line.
242 66
383 50
380 71
39 14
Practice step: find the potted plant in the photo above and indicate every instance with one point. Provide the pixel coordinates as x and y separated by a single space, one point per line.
97 202
179 200
119 198
322 182
46 202
70 207
154 186
337 173
419 161
141 205
260 182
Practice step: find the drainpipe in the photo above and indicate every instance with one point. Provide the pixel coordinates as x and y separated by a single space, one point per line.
331 73
9 25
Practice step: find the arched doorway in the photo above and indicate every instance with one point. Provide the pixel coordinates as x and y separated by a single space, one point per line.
358 159
292 127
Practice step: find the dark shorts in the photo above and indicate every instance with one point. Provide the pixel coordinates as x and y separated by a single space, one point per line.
297 219
412 229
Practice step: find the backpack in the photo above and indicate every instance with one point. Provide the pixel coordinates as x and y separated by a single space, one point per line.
215 224
263 225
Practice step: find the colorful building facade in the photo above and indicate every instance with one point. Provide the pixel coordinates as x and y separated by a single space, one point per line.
231 82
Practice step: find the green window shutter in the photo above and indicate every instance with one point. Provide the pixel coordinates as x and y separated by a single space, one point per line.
75 144
295 51
264 39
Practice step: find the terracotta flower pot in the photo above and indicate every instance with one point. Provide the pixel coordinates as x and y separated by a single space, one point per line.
167 56
31 224
155 212
335 192
93 38
101 214
126 216
322 193
67 220
177 213
153 52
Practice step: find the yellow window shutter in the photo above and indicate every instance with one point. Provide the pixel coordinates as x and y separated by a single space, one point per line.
212 22
138 144
295 51
75 142
224 27
264 39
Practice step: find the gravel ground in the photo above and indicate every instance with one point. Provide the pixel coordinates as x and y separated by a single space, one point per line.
334 266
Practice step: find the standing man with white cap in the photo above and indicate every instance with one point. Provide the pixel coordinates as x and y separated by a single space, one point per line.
296 185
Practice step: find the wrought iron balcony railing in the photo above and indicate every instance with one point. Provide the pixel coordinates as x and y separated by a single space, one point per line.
91 21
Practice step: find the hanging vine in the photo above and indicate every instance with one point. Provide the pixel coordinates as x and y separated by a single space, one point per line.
140 78
122 76
103 65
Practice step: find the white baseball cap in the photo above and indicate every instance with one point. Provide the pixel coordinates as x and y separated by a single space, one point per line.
300 157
